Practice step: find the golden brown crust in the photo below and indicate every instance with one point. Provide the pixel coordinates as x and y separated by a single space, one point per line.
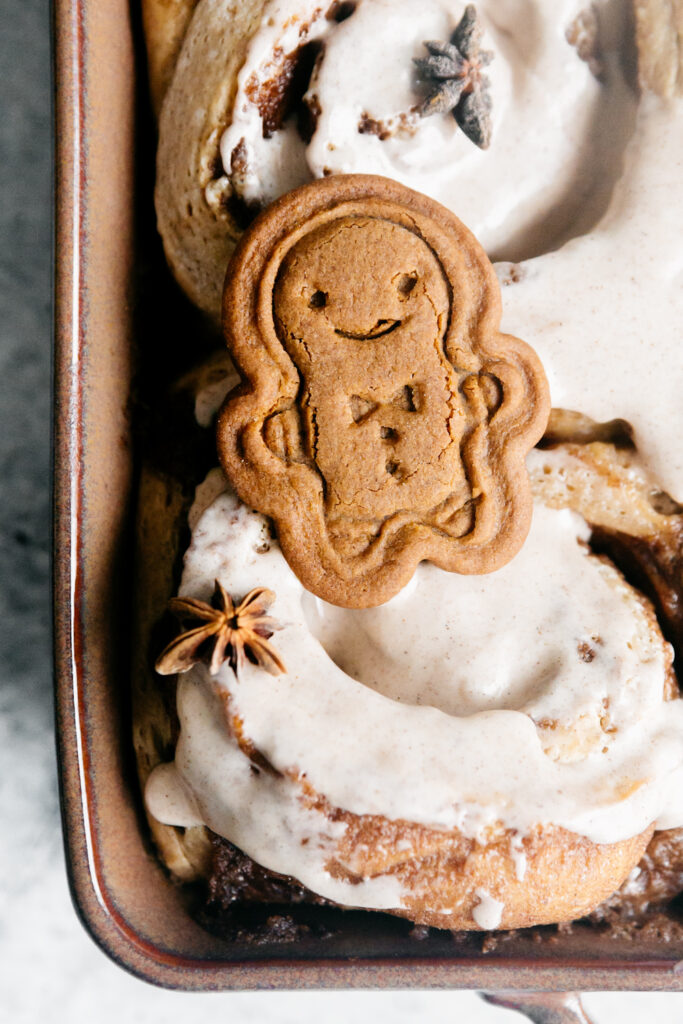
566 876
163 511
657 881
604 484
165 23
550 876
193 193
561 877
392 425
659 35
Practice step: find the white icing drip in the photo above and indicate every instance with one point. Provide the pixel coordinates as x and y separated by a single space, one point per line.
261 815
518 857
518 196
166 790
604 313
425 752
488 912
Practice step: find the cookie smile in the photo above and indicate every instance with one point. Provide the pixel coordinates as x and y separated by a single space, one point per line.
381 328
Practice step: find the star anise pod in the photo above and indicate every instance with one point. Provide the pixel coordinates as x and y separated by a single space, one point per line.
460 86
225 633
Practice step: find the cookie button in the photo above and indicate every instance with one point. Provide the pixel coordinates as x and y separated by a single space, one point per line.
383 418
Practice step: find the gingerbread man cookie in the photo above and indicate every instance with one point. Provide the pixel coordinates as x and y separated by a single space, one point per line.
383 418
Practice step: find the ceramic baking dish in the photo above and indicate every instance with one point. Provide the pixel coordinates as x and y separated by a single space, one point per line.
104 162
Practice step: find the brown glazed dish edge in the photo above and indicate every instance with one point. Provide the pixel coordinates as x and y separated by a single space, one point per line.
120 891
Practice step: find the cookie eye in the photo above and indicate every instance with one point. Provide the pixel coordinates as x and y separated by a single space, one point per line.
406 283
318 300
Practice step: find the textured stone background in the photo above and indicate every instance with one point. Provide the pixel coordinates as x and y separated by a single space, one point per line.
50 970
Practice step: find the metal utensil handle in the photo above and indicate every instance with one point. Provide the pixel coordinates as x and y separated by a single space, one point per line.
542 1007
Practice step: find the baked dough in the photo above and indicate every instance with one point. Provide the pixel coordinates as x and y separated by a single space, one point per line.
597 479
659 35
198 217
197 223
165 24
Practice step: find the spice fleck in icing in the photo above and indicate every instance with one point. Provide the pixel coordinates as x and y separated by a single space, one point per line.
386 419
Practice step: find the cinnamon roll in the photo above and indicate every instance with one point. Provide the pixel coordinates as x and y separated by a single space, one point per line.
475 753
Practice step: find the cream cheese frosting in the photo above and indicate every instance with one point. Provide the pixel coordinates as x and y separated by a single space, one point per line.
609 300
545 164
605 303
550 662
605 312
